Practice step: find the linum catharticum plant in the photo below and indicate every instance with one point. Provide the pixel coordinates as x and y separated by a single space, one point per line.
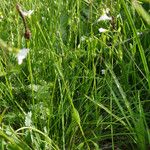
89 87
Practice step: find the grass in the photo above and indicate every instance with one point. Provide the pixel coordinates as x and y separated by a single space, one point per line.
77 88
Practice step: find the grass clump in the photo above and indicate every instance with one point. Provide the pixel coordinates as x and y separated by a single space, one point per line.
82 76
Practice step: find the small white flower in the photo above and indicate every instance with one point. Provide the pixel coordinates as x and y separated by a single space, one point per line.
28 119
83 38
27 13
139 33
34 87
101 30
103 71
22 54
104 17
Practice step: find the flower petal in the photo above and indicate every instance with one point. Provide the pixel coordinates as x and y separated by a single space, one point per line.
22 55
27 13
104 17
101 30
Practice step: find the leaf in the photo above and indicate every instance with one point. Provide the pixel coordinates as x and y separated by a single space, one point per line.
75 115
141 11
2 115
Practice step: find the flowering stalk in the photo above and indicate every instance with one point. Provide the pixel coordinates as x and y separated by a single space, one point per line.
27 33
24 52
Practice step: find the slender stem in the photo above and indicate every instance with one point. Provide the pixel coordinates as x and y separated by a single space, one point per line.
27 33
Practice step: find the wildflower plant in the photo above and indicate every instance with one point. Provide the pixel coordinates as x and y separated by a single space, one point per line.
91 76
23 14
105 19
104 16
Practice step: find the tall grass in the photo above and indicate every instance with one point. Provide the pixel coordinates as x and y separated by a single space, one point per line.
77 88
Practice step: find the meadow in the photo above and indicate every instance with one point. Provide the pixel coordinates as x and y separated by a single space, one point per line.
74 75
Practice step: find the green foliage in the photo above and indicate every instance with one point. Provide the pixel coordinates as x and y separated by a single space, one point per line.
85 81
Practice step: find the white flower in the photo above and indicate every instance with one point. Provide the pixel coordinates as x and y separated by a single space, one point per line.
103 71
105 16
28 119
101 30
27 13
22 54
83 38
139 33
